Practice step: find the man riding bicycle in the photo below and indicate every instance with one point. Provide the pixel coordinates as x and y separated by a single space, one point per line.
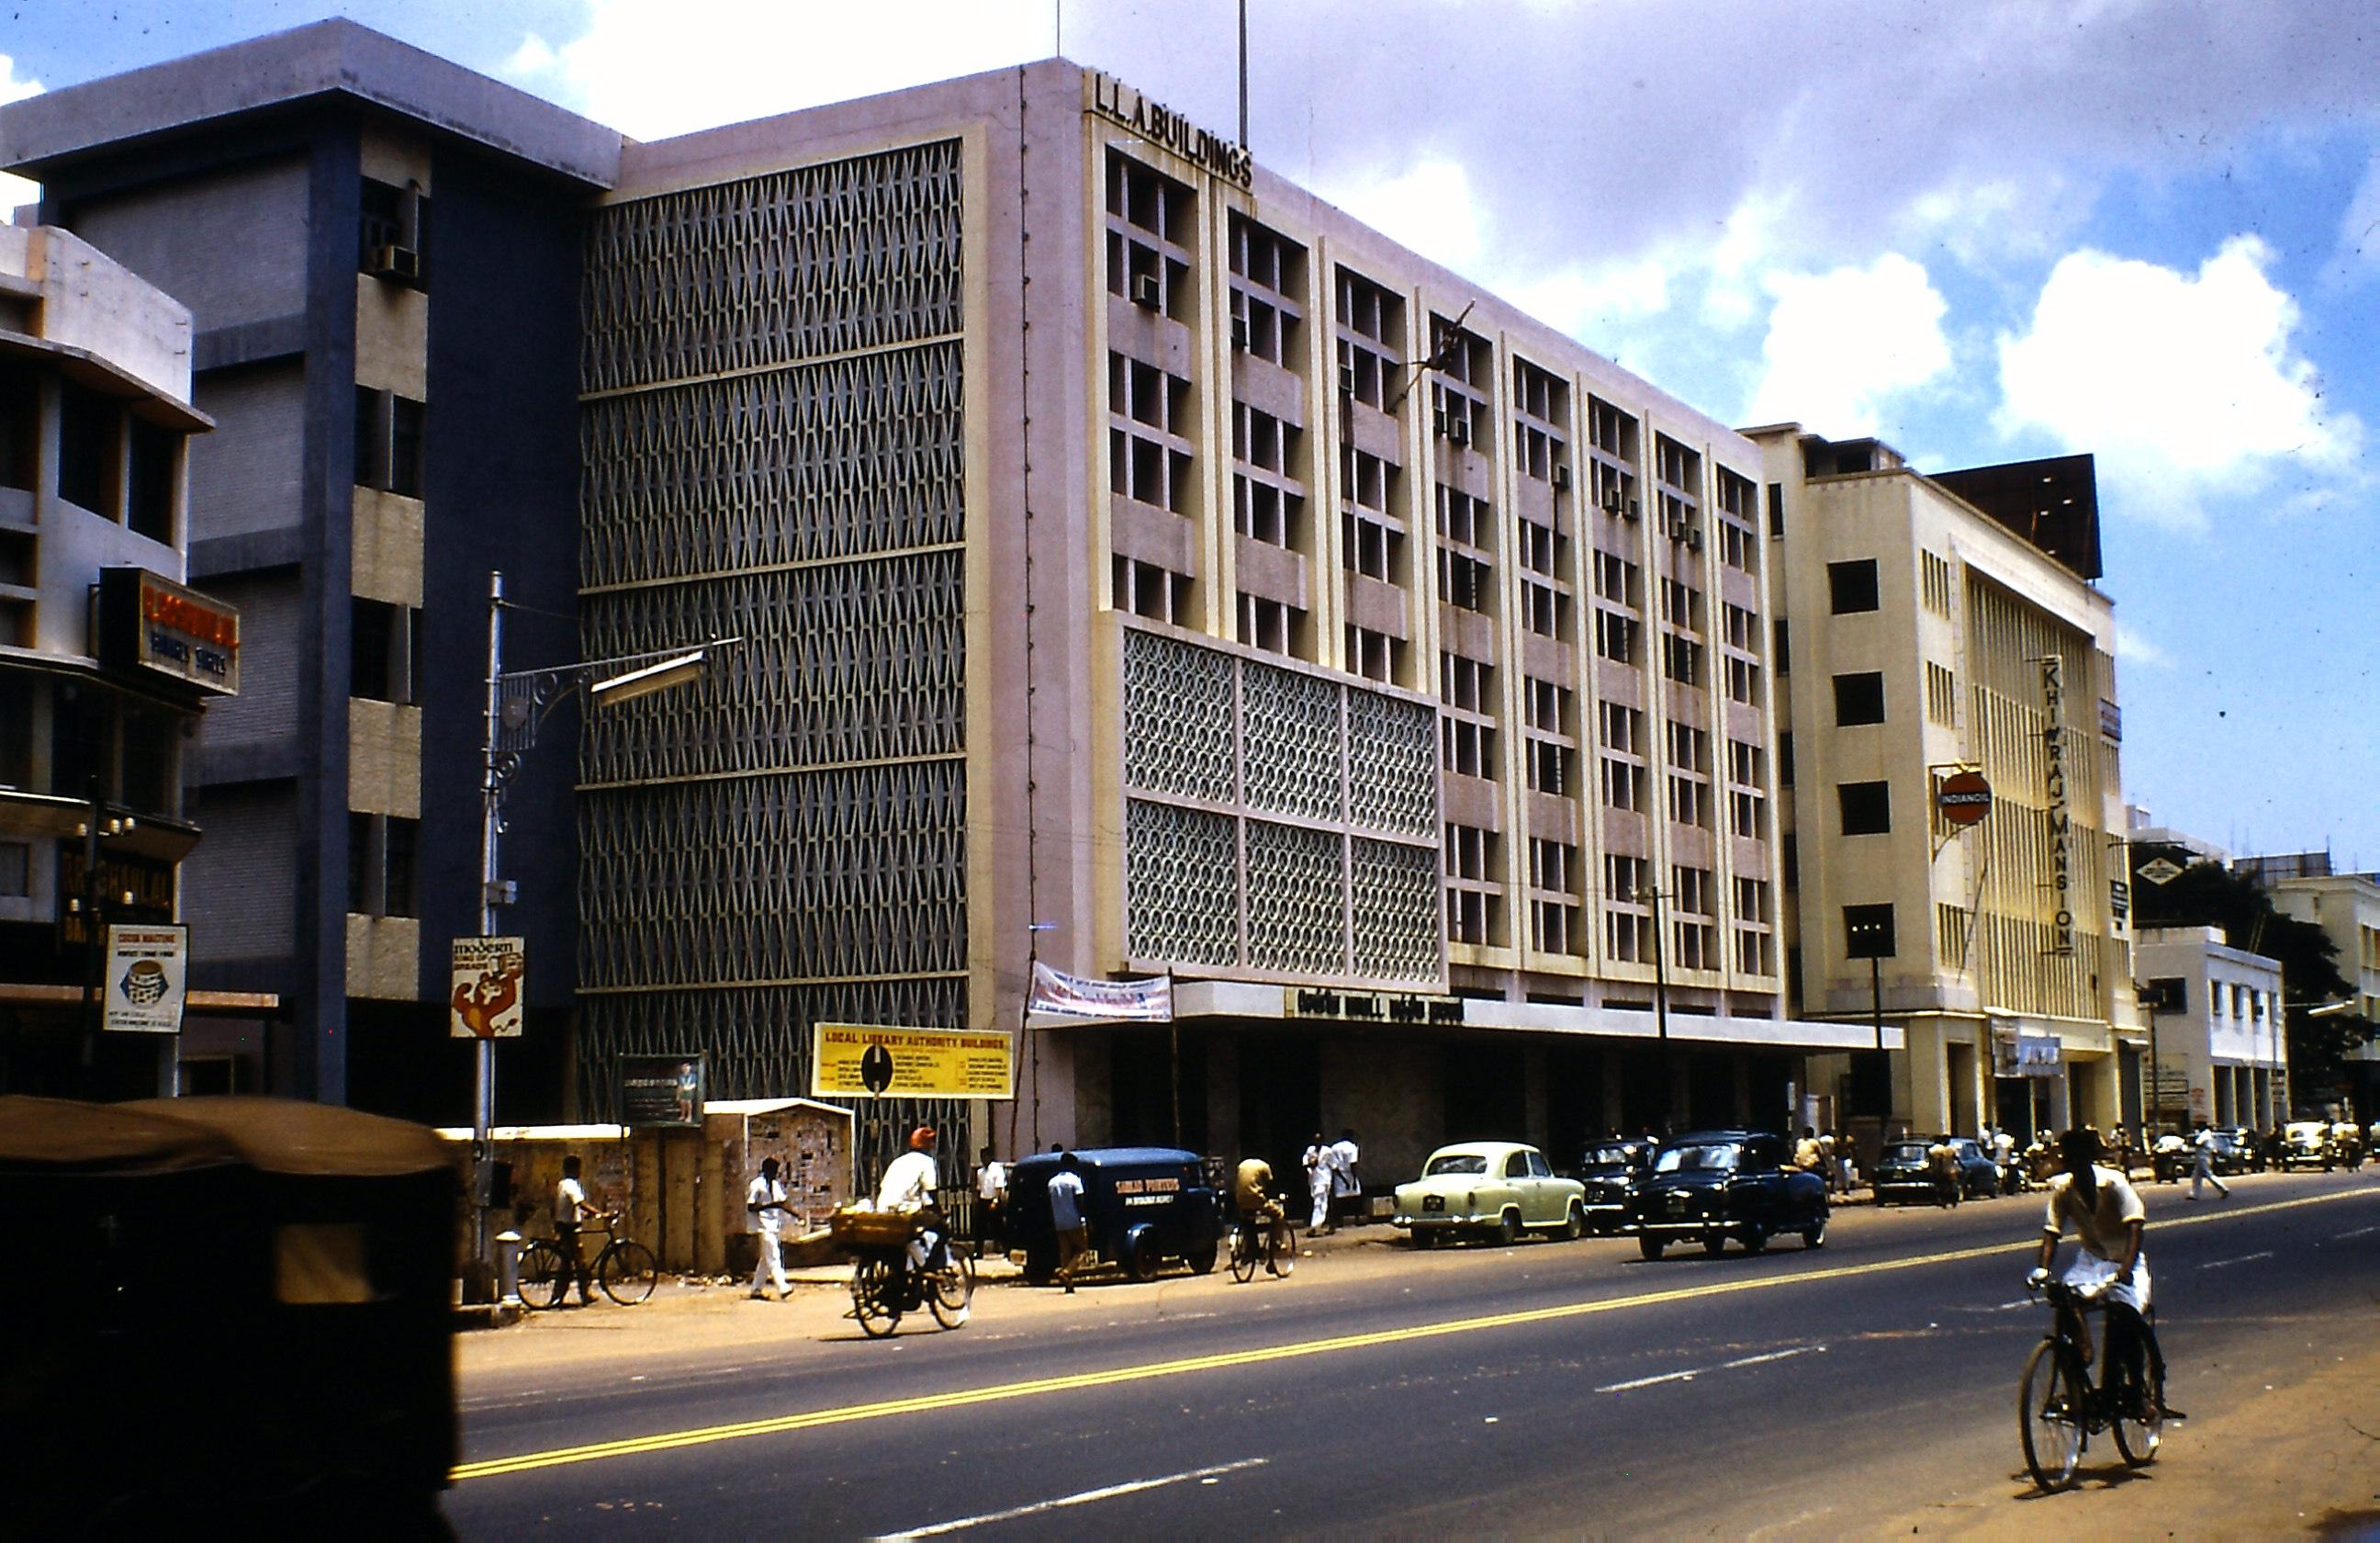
908 1185
2108 1219
1259 1207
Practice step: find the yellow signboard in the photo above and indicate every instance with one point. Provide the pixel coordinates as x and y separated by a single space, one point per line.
866 1061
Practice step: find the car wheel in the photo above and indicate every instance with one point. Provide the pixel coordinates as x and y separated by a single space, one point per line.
1139 1252
1815 1234
1423 1238
1574 1224
1201 1259
1755 1240
1649 1245
1507 1228
1715 1243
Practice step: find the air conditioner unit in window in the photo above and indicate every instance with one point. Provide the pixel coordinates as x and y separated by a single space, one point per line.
1613 502
1458 430
395 262
1240 333
1635 510
1144 293
1694 537
1561 479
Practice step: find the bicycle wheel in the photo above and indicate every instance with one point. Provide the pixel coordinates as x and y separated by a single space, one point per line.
1282 1254
626 1271
949 1292
1244 1254
2050 1402
2140 1420
541 1281
872 1299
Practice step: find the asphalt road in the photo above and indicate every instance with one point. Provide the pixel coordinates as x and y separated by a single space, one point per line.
1547 1387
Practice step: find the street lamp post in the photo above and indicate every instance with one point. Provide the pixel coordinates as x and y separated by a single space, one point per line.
517 701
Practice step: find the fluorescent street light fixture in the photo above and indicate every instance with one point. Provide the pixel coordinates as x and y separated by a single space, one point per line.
661 676
2330 1010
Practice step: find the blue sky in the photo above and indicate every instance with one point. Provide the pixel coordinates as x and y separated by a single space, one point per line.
2148 229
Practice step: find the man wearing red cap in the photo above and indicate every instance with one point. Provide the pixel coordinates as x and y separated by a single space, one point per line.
908 1185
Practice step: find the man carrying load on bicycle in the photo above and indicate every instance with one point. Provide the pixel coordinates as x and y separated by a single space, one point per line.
2108 1219
908 1185
1252 1197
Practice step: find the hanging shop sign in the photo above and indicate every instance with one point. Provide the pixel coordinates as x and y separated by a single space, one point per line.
2029 1055
485 989
2053 797
147 979
2160 870
1963 799
1373 1007
885 1061
150 624
1162 125
663 1092
1145 1001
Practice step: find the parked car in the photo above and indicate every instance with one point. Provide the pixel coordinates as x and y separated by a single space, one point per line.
1610 1170
1496 1188
2230 1154
1714 1185
2248 1150
1144 1206
2306 1143
1904 1172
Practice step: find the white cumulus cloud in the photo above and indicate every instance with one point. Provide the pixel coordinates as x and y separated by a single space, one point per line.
1428 207
15 190
2134 650
1839 343
2183 384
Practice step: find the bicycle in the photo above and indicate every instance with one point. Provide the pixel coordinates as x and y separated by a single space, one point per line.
1271 1246
884 1283
624 1268
2058 1410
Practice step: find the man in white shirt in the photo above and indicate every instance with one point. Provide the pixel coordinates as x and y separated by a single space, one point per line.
2202 1163
910 1183
1066 1218
766 1202
2108 1221
570 1212
1318 1164
1345 1189
992 1201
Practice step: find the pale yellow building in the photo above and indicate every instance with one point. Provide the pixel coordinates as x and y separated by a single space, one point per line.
1931 625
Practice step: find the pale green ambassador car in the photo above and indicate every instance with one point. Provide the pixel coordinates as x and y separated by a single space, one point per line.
1497 1188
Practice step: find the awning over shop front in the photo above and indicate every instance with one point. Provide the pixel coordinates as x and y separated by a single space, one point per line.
1242 1000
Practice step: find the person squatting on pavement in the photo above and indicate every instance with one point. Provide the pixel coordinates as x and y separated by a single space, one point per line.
570 1212
2202 1163
765 1199
1066 1218
1320 1164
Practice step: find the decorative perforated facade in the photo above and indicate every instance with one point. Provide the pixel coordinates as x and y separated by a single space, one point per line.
773 436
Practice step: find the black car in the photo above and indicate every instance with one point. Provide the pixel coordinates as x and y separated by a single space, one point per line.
1719 1184
1143 1206
1611 1171
1905 1172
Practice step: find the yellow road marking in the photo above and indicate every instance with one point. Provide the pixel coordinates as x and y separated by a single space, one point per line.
598 1451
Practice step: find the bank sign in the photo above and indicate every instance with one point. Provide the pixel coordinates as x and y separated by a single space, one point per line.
152 625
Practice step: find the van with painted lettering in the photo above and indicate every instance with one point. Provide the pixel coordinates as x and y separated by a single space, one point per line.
1145 1207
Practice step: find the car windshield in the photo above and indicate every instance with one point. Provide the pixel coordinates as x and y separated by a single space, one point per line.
1906 1152
1717 1157
1608 1156
1455 1163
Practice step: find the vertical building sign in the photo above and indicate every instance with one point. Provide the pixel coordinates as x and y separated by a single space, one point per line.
2053 789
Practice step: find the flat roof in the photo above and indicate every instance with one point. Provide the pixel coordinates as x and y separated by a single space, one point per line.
322 60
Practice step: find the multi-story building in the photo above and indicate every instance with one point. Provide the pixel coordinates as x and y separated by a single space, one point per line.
106 661
2218 1038
2347 908
1142 567
1938 626
396 399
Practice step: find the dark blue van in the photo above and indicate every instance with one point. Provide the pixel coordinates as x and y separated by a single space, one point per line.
1145 1207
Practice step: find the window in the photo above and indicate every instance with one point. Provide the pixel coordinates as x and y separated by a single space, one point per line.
1466 683
1936 580
1682 659
1623 784
1691 928
1866 808
388 442
1788 858
1370 340
384 653
1617 637
1776 510
1149 228
1852 586
1621 727
1859 697
148 491
392 232
381 861
1785 761
1950 935
1268 276
1784 650
1868 932
1941 696
1742 681
1273 626
15 870
1374 655
1465 748
89 425
1550 766
1146 589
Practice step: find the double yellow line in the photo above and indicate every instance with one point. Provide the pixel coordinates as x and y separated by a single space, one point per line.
598 1451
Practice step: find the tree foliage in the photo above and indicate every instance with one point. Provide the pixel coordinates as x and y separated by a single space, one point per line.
2208 894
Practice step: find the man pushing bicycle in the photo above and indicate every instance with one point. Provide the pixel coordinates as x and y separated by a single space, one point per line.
2108 1221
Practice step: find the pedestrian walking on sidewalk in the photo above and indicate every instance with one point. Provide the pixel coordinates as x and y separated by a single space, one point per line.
2202 1163
765 1200
1318 1166
1066 1218
991 1205
1346 1190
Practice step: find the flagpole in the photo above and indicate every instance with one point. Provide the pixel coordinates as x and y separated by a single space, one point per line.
1173 1030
